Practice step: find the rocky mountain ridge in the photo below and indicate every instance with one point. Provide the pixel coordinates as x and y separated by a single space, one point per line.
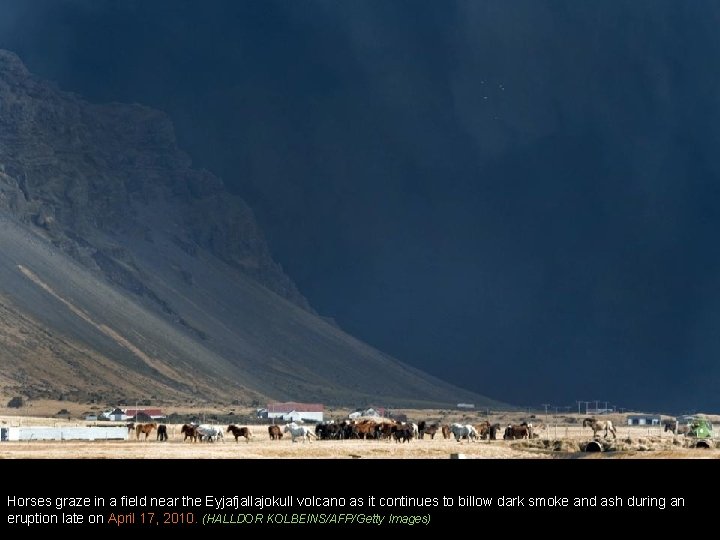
127 274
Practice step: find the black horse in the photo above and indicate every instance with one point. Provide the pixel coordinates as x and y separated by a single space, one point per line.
239 432
676 428
162 433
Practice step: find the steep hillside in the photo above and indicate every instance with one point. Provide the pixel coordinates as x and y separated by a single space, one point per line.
127 274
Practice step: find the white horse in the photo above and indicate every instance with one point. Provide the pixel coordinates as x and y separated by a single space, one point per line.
597 425
464 430
206 430
296 431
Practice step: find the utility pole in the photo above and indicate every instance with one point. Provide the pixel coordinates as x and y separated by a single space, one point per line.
546 405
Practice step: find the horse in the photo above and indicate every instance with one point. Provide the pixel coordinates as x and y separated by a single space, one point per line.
329 430
676 428
428 429
521 431
239 432
144 428
189 431
597 425
364 429
207 432
461 431
275 433
299 432
403 432
162 433
483 429
385 430
445 429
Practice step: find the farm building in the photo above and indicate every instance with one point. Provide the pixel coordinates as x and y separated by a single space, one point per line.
293 411
39 433
643 420
465 405
144 415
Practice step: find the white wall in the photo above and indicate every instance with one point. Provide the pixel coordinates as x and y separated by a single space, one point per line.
38 433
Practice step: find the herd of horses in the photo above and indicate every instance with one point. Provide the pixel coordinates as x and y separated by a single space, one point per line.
194 432
365 429
370 429
405 432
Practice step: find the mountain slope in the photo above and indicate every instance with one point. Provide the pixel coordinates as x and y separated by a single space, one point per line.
126 274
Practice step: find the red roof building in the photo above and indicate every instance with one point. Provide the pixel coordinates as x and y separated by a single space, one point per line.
290 406
152 413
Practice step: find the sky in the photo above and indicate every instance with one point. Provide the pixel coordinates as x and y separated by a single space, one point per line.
520 197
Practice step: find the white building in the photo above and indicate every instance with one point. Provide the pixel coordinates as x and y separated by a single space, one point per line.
120 415
643 420
293 411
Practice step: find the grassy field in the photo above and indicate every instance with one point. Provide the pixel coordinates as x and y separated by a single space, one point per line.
560 438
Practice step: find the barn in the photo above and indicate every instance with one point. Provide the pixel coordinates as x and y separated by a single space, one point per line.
295 411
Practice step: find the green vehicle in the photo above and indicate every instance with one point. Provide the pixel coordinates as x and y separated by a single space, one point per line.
700 428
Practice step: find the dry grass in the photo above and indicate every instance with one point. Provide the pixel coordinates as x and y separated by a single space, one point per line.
563 442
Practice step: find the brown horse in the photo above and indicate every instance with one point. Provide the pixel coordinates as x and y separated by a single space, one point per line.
275 432
445 431
240 432
427 429
518 431
144 428
189 431
483 429
364 429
